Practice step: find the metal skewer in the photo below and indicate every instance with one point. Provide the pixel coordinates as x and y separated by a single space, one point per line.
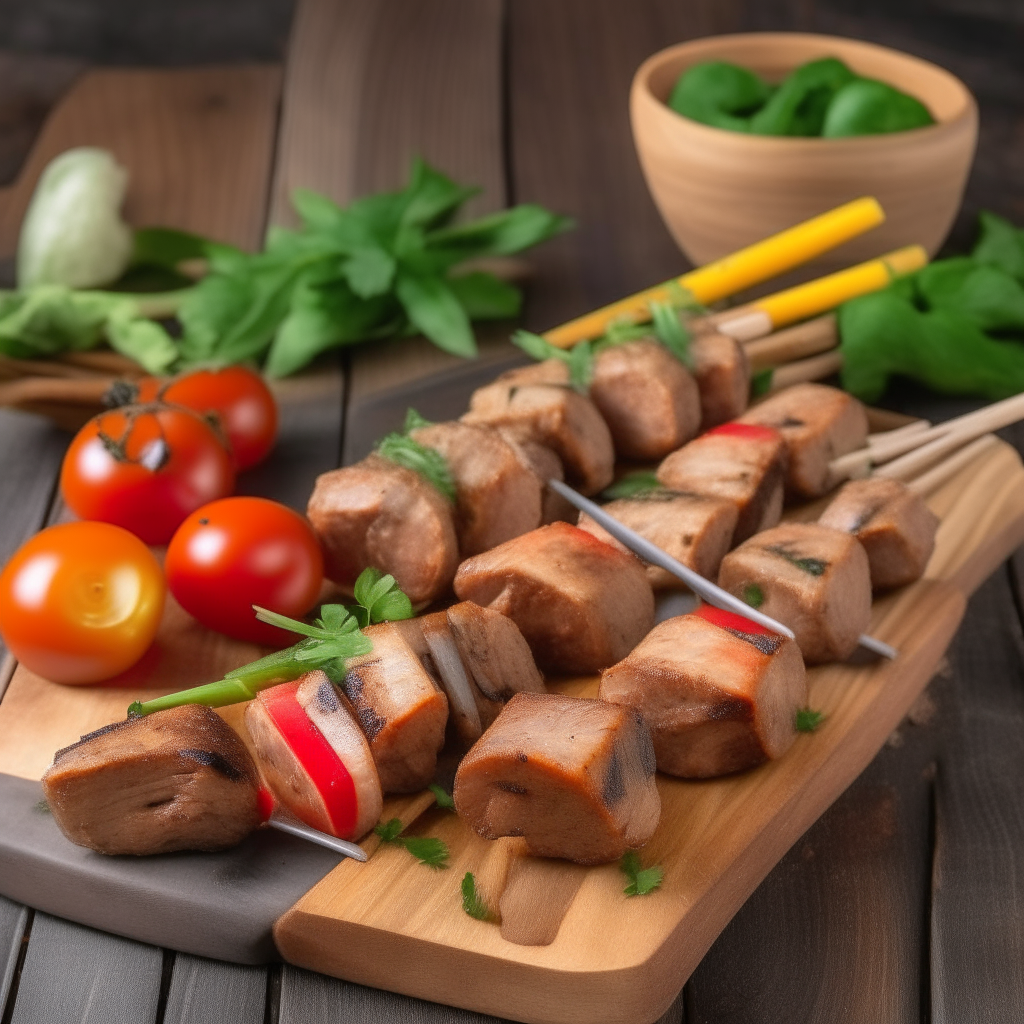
710 592
296 828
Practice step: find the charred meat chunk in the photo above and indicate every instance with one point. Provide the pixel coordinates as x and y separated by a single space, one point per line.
581 604
573 777
809 577
497 495
179 779
744 463
647 397
694 530
818 424
719 692
555 416
381 514
314 757
400 706
895 526
722 372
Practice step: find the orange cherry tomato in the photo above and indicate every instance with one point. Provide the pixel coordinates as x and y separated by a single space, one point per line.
81 602
237 552
145 467
238 396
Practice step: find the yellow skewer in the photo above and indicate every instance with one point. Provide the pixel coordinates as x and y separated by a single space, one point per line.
731 274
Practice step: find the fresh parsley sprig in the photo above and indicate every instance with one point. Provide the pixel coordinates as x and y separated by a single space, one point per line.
641 880
428 462
442 796
472 904
328 643
808 720
428 850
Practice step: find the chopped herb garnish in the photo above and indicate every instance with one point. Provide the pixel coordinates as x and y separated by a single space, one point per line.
443 797
378 599
427 850
812 566
669 330
43 807
761 383
807 719
428 462
641 880
753 595
472 904
579 359
633 485
413 421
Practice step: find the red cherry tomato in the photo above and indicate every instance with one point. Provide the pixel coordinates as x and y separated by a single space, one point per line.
145 467
234 553
81 602
237 396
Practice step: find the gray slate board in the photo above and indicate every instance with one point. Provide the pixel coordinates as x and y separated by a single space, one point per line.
220 905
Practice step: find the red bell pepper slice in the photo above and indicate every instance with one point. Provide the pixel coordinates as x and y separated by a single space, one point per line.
748 431
315 754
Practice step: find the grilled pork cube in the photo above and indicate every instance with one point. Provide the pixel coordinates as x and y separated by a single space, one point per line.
694 530
811 578
179 779
381 514
719 692
546 465
314 756
580 603
895 526
401 709
743 463
647 397
722 372
573 777
553 415
497 496
819 424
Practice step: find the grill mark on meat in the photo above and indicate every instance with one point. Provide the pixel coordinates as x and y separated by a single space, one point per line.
522 757
811 566
511 787
866 516
371 722
91 736
353 682
766 643
614 782
211 759
791 421
730 710
327 698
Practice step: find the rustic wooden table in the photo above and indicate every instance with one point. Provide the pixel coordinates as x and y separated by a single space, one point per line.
905 902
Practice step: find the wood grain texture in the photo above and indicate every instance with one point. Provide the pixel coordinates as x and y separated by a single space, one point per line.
13 922
197 144
101 980
977 935
210 992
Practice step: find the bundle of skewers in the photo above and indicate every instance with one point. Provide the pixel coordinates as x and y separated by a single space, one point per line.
486 507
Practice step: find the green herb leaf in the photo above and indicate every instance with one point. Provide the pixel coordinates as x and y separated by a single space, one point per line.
669 330
811 566
753 595
369 271
999 244
166 247
472 904
390 830
641 880
428 850
633 485
414 421
761 383
807 720
428 462
431 305
442 796
579 359
485 297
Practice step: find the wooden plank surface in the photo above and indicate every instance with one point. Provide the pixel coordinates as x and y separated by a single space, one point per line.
14 920
211 992
196 142
100 979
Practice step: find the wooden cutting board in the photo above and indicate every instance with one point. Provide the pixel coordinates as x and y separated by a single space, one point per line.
395 924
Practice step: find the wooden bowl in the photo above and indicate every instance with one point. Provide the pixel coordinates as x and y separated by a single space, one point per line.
719 190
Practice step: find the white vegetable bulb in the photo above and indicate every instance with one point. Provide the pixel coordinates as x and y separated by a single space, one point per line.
73 233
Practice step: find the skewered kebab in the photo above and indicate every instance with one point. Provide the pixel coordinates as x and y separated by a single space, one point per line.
573 777
693 529
177 780
581 604
552 415
719 692
814 579
743 463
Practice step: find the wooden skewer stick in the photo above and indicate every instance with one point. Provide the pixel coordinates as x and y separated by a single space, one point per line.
938 475
802 370
885 436
806 339
928 446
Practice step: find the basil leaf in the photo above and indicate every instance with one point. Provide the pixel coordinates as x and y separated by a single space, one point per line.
432 307
428 462
500 234
1000 244
166 247
140 339
485 297
369 271
432 195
